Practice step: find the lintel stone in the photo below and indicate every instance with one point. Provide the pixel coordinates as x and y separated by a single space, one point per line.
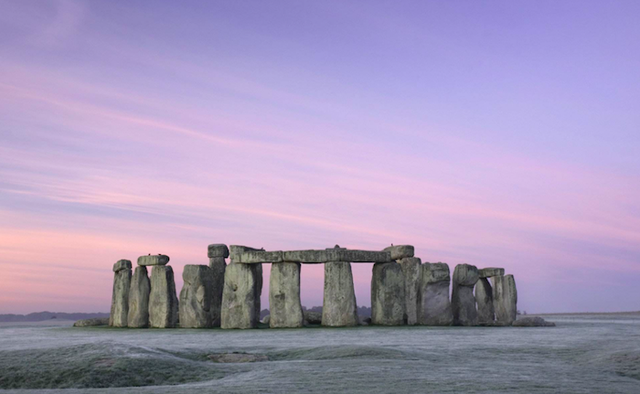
400 251
158 259
490 272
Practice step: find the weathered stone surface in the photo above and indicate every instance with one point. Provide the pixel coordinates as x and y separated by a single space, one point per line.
266 319
195 297
311 317
284 296
310 256
241 296
139 298
258 256
400 251
532 321
96 321
463 302
364 320
505 299
387 295
484 301
435 307
217 250
122 265
339 301
163 301
465 275
412 270
120 295
362 256
218 266
489 272
159 259
237 357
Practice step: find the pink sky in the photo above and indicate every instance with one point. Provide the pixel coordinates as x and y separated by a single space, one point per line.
497 136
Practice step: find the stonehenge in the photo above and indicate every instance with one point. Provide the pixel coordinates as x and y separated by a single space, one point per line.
435 307
463 302
404 291
388 303
120 295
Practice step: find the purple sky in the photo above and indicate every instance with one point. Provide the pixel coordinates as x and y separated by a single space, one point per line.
491 133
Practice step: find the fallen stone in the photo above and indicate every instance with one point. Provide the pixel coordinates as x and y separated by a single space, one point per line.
163 301
195 297
484 301
218 267
387 295
505 299
139 298
412 270
122 265
159 259
435 307
120 294
284 296
489 272
400 251
364 320
237 357
313 318
339 307
532 321
96 321
266 319
217 250
241 296
463 302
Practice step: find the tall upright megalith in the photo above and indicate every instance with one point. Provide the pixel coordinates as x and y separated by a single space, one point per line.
463 302
284 295
217 254
120 294
195 297
241 296
505 299
412 270
435 307
388 295
484 295
163 301
139 298
339 308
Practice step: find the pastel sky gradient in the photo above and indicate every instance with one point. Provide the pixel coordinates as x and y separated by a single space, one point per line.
501 133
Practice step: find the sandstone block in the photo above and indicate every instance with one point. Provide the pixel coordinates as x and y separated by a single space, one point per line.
241 296
339 301
284 296
505 299
484 301
534 321
412 271
387 295
400 251
311 317
159 259
196 296
96 321
139 298
305 256
218 267
163 301
435 307
122 265
463 302
120 294
217 250
489 272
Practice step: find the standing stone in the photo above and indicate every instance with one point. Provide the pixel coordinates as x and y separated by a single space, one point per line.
120 294
284 296
339 307
435 307
484 300
400 251
412 270
139 298
241 296
463 302
387 295
505 299
217 254
195 297
163 302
